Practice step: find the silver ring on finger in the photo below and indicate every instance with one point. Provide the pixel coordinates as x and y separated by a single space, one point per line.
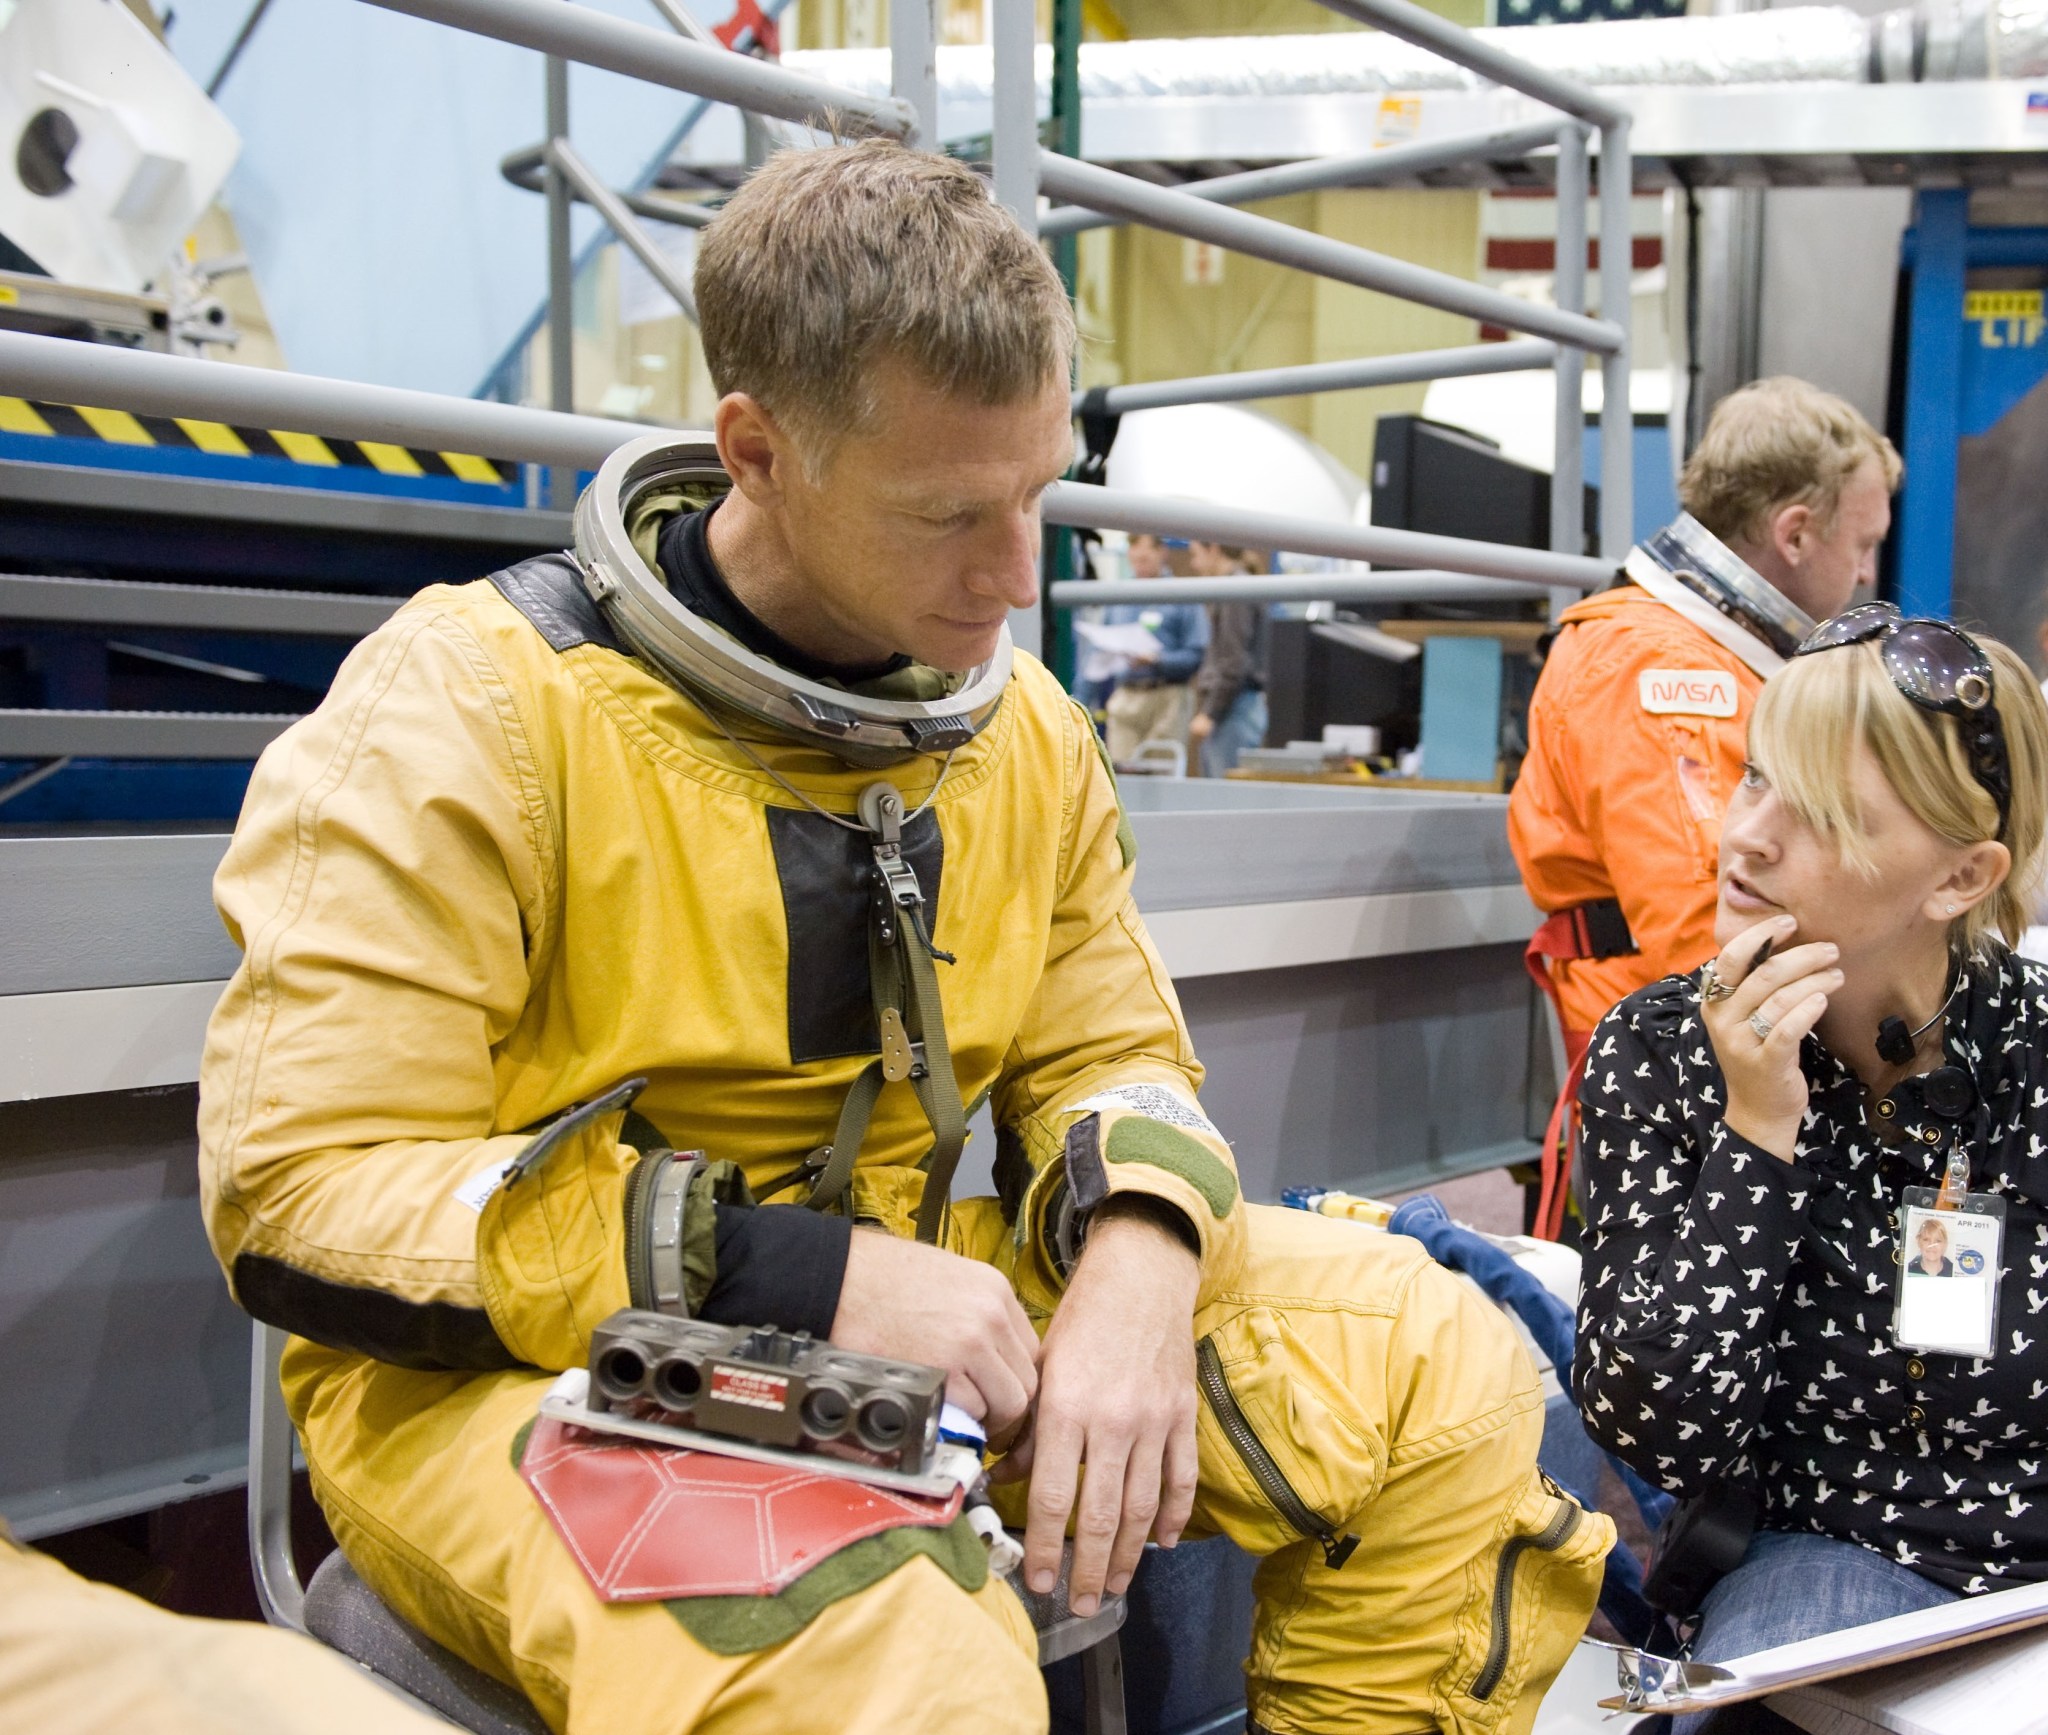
1761 1025
1712 988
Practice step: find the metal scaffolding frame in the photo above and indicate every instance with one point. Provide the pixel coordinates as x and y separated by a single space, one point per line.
1320 174
1202 211
1558 337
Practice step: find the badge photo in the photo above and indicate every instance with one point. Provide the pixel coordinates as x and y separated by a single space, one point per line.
1948 1274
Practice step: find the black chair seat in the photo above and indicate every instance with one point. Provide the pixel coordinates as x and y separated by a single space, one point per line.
345 1613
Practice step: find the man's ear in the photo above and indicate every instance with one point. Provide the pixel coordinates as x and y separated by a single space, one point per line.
757 454
1792 533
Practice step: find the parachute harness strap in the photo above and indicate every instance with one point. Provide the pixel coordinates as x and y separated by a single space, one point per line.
909 1014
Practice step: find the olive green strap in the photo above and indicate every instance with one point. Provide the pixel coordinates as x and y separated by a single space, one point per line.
910 1024
938 1091
847 1138
918 1009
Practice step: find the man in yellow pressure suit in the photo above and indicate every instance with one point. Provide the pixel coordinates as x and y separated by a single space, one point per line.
749 799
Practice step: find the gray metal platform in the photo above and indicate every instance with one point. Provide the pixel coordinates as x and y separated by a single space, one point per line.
1349 963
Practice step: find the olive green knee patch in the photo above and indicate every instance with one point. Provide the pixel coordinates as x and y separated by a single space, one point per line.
1135 1139
734 1626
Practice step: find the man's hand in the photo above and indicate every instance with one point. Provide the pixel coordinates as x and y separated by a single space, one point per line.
915 1303
1116 1391
1201 728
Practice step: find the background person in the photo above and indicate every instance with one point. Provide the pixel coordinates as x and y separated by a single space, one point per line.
1151 699
1638 719
1747 1147
1230 686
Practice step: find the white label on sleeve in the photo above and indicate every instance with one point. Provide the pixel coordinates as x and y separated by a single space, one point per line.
1155 1102
477 1190
1688 692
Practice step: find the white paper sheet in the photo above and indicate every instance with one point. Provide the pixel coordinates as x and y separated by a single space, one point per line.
1669 1686
1993 1688
1128 639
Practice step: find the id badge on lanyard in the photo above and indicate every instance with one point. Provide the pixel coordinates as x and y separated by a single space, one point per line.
1949 1245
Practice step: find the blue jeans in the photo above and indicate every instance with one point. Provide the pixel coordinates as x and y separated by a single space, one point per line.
1243 725
1794 1585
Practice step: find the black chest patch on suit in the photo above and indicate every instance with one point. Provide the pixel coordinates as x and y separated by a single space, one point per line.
827 875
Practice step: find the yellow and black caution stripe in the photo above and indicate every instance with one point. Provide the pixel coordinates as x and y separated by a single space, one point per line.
119 428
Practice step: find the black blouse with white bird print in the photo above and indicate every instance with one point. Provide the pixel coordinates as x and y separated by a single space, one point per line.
1736 1319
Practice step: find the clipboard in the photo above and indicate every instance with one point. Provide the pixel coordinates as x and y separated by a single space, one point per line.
1650 1683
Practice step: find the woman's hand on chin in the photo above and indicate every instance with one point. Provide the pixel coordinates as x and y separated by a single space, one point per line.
1788 990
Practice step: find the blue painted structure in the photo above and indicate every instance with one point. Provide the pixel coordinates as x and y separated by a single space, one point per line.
1963 373
1461 683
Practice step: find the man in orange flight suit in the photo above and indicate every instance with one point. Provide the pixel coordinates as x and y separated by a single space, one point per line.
1637 726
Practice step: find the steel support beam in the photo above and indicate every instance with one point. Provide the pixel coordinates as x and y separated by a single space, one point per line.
561 277
622 223
112 602
914 67
1617 271
1568 461
638 51
1079 503
1425 585
1364 169
1263 238
1013 32
1458 45
139 734
63 372
1519 356
1014 127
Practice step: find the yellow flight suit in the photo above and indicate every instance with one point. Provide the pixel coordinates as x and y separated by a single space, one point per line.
488 879
79 1658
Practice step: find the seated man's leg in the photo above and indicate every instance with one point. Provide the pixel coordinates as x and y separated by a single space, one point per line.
1791 1586
1398 1404
415 1473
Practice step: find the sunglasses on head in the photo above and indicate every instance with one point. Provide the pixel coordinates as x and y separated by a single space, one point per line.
1939 668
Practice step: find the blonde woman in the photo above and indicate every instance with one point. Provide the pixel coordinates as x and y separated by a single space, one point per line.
1750 1132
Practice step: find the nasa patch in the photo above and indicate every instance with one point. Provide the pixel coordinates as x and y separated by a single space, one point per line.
1688 692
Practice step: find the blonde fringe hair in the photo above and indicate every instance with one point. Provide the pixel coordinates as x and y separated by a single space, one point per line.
1814 712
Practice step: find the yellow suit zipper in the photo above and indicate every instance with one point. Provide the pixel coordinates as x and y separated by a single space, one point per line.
1272 1480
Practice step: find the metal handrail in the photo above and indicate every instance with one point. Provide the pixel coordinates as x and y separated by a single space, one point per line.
1425 29
526 167
591 38
1424 584
1085 506
1364 169
1262 238
585 185
1520 356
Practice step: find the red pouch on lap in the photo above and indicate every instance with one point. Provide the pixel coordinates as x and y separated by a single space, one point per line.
647 1523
